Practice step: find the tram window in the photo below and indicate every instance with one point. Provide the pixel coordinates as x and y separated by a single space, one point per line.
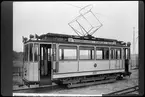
26 52
118 54
99 54
126 53
60 54
49 54
67 53
31 52
41 53
113 54
126 57
35 52
54 52
102 53
86 53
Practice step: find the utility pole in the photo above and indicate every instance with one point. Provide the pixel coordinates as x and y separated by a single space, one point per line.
135 60
136 50
133 40
133 52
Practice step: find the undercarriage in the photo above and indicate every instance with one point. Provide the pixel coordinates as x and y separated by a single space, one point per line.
91 80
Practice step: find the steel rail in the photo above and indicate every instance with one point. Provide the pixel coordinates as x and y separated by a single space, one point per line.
36 88
125 91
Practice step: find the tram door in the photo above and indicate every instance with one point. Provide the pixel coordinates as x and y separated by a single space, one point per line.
127 58
45 64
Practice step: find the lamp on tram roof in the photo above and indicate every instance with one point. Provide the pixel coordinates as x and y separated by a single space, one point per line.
36 36
24 39
123 43
128 43
31 36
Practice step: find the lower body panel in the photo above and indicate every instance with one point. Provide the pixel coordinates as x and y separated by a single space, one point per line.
76 74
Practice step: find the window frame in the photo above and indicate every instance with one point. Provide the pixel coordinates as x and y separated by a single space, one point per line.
34 49
108 49
126 53
67 47
54 52
120 56
115 51
26 54
31 52
86 47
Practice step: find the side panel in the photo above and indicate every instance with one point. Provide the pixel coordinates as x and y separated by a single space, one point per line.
31 69
118 64
54 65
27 66
86 65
112 64
35 71
91 65
26 70
121 64
67 66
102 65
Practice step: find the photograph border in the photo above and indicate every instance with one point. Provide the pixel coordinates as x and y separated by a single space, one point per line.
7 47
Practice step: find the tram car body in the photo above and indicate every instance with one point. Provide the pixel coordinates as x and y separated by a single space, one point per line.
67 59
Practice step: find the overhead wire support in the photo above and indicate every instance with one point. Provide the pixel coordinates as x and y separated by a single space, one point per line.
84 11
80 27
74 29
96 18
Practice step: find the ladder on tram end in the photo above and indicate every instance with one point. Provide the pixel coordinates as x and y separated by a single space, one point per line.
126 91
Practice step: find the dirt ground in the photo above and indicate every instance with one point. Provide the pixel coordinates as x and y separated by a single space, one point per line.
95 89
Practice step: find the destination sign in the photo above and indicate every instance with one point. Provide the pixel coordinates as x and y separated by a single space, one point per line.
89 41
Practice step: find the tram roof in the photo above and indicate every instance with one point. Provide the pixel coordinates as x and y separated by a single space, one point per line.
89 37
78 39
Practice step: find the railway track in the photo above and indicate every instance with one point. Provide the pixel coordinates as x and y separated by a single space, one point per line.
41 88
63 86
125 91
50 88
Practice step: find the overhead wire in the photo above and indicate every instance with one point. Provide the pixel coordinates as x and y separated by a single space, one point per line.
79 7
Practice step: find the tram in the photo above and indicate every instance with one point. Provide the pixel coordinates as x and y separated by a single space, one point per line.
74 60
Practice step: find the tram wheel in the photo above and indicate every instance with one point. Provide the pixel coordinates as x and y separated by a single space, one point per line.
119 77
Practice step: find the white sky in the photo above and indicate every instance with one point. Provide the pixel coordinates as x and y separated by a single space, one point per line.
118 19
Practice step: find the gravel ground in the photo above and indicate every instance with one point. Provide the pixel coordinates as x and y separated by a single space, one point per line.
94 89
